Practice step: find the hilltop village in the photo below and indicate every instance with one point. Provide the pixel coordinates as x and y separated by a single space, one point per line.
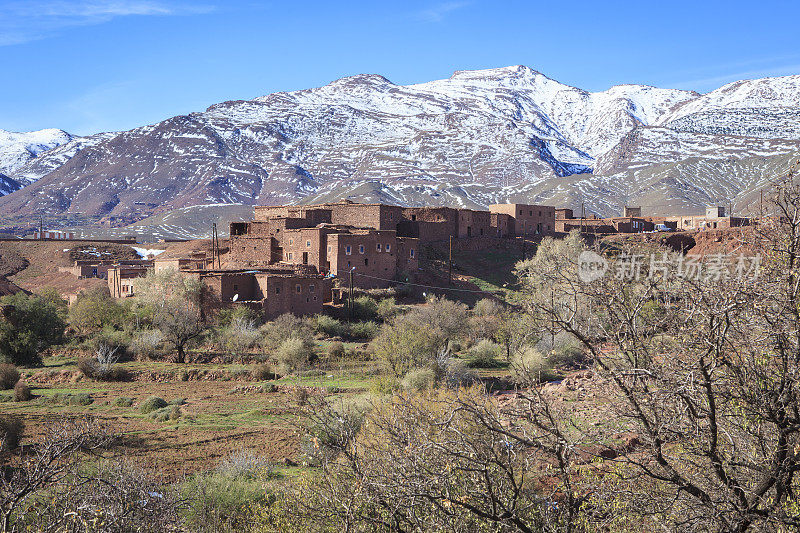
294 259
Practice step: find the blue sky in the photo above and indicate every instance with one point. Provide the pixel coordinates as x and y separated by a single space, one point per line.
90 65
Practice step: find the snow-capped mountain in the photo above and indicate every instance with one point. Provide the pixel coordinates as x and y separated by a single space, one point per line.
17 149
473 139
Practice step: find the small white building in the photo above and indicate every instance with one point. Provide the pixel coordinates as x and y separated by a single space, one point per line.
54 234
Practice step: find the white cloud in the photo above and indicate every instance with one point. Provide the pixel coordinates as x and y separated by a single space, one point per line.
438 12
30 20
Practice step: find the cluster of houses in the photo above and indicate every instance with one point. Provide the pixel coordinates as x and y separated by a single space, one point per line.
286 258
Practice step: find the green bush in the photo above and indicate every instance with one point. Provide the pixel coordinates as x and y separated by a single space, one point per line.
364 331
485 354
94 310
123 402
419 379
387 309
294 354
28 326
531 365
11 429
263 372
22 392
152 404
164 414
336 350
285 327
487 307
80 399
384 385
222 499
330 327
9 375
405 344
365 308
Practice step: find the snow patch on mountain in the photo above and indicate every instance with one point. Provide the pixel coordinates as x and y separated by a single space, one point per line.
17 149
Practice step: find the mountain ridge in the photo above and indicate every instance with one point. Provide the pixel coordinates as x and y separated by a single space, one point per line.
472 138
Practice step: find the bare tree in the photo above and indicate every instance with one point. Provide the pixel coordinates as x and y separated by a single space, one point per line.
50 487
173 304
706 369
444 460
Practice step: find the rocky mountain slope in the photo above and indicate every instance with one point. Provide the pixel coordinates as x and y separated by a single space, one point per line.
473 139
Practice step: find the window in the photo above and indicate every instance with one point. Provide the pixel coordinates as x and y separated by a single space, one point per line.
308 244
347 250
361 248
277 290
379 247
366 261
412 252
530 213
540 213
329 248
235 287
388 248
298 288
291 241
520 212
311 288
290 256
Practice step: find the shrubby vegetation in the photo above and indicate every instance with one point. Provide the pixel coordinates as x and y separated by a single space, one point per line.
28 326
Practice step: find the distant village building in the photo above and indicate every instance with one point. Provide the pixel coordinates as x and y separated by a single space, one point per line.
54 234
714 218
92 268
528 219
121 279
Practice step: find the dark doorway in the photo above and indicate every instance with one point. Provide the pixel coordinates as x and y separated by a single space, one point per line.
305 258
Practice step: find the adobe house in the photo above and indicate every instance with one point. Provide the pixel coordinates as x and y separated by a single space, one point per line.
89 268
473 223
501 225
529 219
182 261
714 218
375 257
274 291
121 279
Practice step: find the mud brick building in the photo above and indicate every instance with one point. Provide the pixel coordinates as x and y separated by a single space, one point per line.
377 242
375 257
87 268
593 224
529 219
121 279
501 225
714 218
273 291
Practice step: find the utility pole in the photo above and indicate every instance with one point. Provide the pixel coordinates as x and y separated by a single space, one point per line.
761 205
213 244
41 226
450 263
583 214
350 297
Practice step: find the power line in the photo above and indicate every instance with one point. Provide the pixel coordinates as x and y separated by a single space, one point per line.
420 285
